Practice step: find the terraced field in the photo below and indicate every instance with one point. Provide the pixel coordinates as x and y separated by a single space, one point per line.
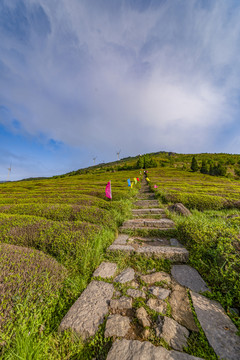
53 234
212 233
196 190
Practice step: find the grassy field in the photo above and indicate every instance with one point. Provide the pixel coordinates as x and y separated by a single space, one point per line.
54 233
212 233
196 190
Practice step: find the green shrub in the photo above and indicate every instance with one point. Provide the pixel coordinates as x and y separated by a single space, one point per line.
194 164
198 201
213 252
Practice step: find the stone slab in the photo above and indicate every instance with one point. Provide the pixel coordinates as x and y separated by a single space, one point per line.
135 293
151 241
157 305
181 309
122 228
146 197
106 270
156 277
174 334
189 277
159 223
161 293
142 316
153 223
147 203
117 325
217 326
169 253
123 303
174 254
136 350
88 312
150 216
121 240
126 248
154 211
125 276
146 194
175 242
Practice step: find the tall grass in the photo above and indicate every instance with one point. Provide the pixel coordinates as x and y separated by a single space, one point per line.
213 241
32 330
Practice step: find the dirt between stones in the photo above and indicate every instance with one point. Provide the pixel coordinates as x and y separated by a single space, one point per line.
153 310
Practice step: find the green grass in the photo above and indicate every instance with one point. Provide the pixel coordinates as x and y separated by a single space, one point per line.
197 342
67 224
213 244
195 190
211 234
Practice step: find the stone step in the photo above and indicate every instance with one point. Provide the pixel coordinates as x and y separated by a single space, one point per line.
88 312
148 223
147 203
155 247
153 211
137 350
142 198
150 216
99 300
217 326
146 195
189 277
105 270
150 230
125 239
173 254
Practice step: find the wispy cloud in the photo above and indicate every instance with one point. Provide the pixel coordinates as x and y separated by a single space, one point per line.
139 75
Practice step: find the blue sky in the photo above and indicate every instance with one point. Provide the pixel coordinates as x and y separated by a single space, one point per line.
86 78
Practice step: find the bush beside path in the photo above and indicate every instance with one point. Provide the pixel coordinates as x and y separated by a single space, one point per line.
145 300
149 314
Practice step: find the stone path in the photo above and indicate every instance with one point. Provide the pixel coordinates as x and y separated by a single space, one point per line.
165 312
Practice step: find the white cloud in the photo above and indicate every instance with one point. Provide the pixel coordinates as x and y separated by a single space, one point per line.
119 77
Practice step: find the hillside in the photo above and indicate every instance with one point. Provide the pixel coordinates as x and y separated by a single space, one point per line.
56 232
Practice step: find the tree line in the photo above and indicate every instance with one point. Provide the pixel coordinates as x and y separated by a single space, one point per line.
209 167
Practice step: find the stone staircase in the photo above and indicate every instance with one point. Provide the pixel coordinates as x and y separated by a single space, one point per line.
149 223
133 329
147 203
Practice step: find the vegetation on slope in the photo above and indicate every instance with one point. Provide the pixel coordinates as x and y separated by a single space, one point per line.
55 232
212 233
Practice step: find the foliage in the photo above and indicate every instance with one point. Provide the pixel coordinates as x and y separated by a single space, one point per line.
217 170
194 164
214 246
145 162
56 232
197 342
53 234
195 190
204 168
